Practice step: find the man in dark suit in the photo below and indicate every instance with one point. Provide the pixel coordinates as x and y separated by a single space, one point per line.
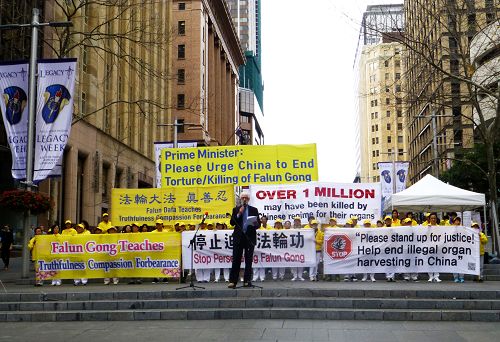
244 239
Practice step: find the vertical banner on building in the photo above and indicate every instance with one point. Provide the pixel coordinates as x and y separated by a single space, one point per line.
14 108
386 178
401 169
54 113
161 145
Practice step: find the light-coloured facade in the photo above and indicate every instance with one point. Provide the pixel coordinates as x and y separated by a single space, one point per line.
439 109
382 125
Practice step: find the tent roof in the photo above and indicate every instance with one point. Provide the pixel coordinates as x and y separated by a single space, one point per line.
431 194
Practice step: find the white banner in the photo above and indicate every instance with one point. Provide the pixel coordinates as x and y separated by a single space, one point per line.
417 249
386 179
160 146
401 169
274 248
54 114
318 199
14 108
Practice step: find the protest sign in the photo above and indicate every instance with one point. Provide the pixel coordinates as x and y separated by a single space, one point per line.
451 249
318 199
187 204
274 248
239 165
107 255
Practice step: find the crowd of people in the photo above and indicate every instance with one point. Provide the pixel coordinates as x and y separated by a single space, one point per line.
259 273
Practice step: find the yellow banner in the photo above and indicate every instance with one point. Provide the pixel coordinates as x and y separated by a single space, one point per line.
138 255
239 165
187 204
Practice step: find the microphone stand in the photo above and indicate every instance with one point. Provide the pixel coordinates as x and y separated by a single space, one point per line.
191 245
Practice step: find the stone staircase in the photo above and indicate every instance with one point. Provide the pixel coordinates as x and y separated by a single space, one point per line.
271 303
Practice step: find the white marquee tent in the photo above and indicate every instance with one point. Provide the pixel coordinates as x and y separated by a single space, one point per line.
431 194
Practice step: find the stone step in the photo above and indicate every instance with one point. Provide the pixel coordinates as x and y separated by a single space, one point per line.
491 266
261 302
107 294
267 313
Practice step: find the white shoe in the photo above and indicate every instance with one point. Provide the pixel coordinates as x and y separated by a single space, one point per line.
437 280
115 282
414 278
216 280
373 280
54 283
294 278
363 279
346 278
431 279
58 282
106 282
301 279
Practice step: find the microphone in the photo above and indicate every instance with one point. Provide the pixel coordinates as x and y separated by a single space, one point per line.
204 217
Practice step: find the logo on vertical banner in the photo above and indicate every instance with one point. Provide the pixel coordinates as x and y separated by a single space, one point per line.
56 98
15 101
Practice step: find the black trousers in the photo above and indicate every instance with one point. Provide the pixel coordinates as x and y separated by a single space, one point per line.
243 245
6 256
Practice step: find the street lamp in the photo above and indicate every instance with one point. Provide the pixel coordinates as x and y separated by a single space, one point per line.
30 149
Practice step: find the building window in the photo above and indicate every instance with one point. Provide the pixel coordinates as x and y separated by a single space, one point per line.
400 113
374 179
182 6
389 139
397 63
398 88
181 27
373 128
455 88
377 153
387 101
400 126
181 76
386 75
373 141
386 64
400 139
180 101
373 154
389 150
400 152
373 116
399 100
376 115
181 51
388 113
374 166
398 76
107 125
388 126
376 128
376 140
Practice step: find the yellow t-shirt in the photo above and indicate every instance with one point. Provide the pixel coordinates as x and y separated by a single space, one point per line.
483 239
69 231
85 232
319 240
104 226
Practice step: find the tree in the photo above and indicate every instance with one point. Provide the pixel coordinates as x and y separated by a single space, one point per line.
443 84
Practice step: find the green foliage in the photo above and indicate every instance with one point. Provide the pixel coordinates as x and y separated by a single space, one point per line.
466 173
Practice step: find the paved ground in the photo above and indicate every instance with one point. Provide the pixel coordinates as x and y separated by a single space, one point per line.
250 330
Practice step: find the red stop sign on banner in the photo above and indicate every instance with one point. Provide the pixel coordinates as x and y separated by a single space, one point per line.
338 246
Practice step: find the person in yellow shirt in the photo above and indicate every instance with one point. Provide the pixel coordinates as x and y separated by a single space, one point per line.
105 223
297 224
368 224
159 228
80 229
297 272
278 271
68 229
433 222
332 223
410 216
318 243
263 223
135 228
395 218
483 240
31 247
354 220
107 281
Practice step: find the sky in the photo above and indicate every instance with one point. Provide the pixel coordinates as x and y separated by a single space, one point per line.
308 50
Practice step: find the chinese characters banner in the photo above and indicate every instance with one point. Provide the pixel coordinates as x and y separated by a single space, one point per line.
107 255
319 199
186 204
417 249
14 108
274 248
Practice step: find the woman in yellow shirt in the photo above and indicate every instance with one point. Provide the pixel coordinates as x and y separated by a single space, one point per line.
31 247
